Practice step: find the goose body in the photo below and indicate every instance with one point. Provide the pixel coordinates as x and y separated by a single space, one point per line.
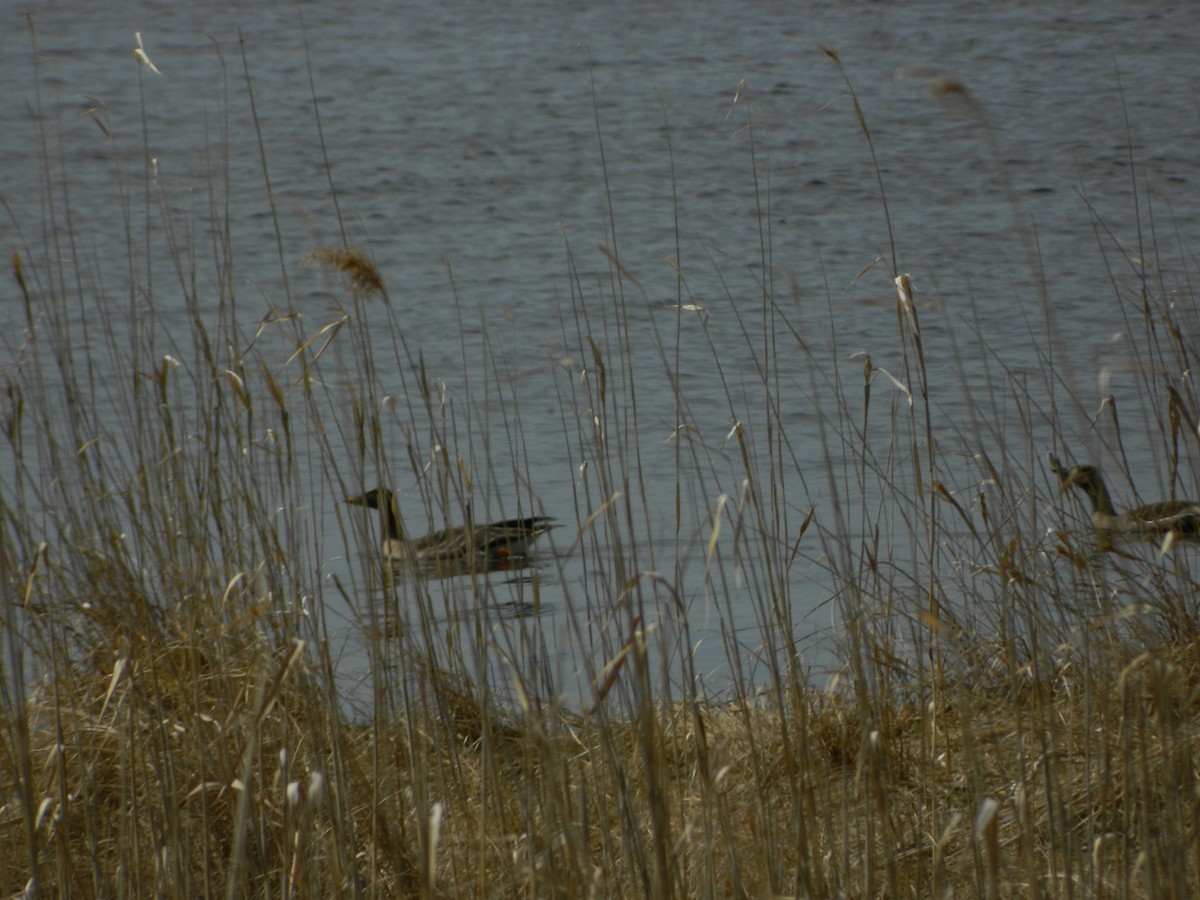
492 544
1180 518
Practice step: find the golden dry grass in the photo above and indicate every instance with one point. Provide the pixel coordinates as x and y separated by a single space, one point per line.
1013 713
1010 786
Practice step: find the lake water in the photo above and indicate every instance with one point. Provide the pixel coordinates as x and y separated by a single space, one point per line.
507 142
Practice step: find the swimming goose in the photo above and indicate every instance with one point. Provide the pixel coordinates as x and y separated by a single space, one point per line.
492 545
1177 519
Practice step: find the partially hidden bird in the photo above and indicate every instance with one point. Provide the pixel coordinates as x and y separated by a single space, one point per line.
1168 519
489 546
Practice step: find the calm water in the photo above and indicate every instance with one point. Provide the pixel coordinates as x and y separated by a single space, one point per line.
469 136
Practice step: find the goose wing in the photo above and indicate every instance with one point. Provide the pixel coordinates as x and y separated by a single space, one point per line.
511 535
1180 516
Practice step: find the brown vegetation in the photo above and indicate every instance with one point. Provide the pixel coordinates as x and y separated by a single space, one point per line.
1011 711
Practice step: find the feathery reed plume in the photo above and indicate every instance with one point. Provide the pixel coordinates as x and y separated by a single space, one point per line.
946 86
352 263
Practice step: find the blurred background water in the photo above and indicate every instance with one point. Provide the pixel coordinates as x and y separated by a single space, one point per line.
470 145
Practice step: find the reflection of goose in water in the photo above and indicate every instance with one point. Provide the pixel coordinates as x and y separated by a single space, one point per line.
499 545
1173 519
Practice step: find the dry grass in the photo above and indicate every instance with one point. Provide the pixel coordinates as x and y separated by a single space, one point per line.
354 265
1011 711
1008 787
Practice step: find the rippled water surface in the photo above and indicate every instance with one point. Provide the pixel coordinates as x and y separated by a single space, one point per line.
483 153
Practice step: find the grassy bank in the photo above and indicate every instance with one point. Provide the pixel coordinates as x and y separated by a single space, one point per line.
1011 710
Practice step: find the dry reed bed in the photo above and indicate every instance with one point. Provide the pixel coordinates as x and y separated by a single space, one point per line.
1015 714
138 773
